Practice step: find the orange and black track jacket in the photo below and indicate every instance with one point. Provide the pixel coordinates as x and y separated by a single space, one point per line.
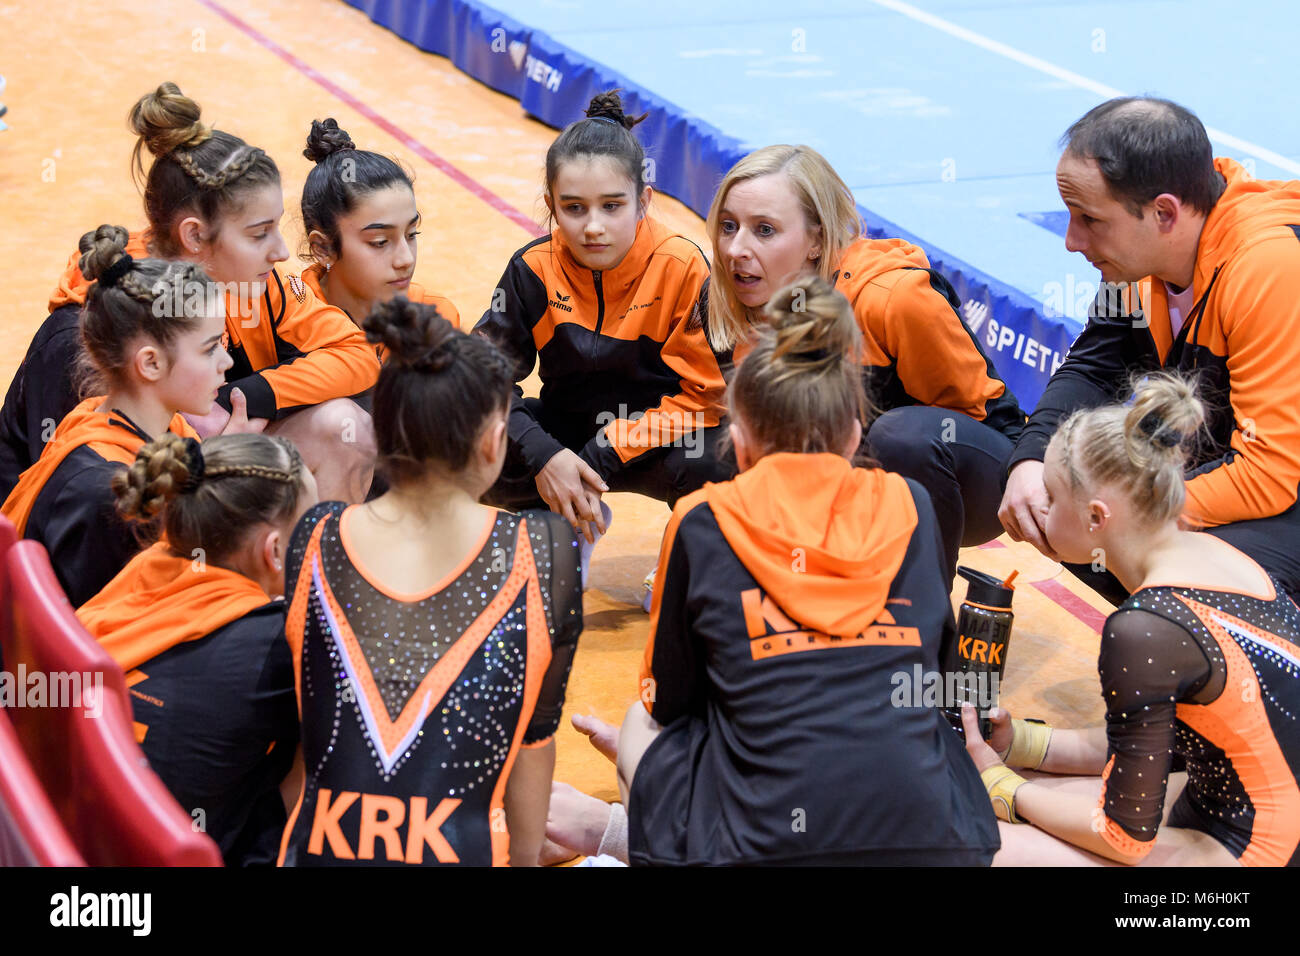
212 691
1240 341
415 292
611 345
291 350
916 350
66 502
791 603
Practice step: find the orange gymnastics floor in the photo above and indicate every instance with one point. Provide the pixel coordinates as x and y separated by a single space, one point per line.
264 70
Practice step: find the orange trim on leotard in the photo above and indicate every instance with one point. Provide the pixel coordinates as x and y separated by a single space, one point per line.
373 580
1237 722
523 576
294 624
538 660
443 674
1114 834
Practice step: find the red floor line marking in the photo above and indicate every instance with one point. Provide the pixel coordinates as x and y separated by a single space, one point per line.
468 182
1063 596
1076 605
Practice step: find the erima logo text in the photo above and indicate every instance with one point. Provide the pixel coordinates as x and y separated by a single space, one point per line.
559 301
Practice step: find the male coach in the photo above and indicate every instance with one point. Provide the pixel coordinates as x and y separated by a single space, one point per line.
1200 268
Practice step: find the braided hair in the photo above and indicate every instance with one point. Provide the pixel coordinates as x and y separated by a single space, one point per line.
197 170
130 298
209 496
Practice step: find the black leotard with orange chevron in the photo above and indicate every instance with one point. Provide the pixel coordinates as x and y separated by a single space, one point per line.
414 707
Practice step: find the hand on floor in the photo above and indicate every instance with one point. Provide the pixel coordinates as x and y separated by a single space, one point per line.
603 736
575 821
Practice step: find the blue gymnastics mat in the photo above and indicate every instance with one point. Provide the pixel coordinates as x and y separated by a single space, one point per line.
942 116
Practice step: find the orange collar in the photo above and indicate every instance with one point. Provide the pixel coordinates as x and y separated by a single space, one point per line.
107 433
649 234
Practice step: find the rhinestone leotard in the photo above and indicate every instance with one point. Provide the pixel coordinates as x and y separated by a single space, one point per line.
1209 680
414 706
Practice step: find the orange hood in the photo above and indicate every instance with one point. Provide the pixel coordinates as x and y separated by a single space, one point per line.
867 259
73 286
161 599
82 426
823 539
1247 212
862 262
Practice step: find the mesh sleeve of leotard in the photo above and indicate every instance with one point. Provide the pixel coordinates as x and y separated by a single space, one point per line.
1148 664
555 551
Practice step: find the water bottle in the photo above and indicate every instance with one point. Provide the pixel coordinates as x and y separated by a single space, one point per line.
980 648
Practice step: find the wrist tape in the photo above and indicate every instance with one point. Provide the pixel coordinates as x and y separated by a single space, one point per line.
1029 742
1002 783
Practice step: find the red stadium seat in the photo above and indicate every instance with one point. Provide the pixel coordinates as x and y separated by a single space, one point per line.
7 538
30 831
115 809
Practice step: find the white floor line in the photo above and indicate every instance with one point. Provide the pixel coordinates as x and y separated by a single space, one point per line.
1074 79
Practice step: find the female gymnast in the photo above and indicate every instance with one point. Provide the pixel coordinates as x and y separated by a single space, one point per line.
432 635
1198 761
149 369
358 210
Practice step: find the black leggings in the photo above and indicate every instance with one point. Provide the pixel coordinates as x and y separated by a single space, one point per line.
1273 542
962 463
666 473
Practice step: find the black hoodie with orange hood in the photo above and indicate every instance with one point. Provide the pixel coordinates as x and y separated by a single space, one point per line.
66 502
212 691
789 602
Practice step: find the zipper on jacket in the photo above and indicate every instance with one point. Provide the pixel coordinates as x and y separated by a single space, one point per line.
1200 314
600 309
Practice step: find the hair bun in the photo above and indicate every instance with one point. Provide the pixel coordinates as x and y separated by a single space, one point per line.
610 106
167 119
813 324
414 334
1165 414
326 139
100 249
